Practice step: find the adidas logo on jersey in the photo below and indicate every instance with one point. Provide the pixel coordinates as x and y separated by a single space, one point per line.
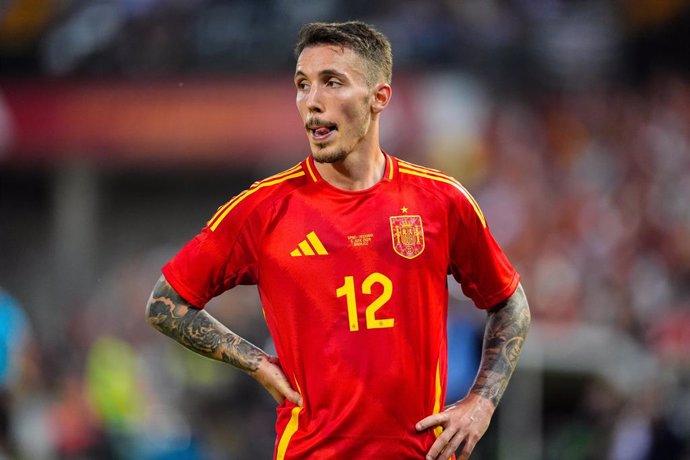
311 246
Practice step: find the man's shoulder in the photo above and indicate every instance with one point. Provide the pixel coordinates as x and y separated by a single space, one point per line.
282 182
438 185
427 177
260 194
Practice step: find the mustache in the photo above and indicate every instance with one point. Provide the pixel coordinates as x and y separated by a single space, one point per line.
314 122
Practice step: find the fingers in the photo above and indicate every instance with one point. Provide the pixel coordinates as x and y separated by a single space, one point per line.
271 376
467 449
455 433
292 396
463 423
431 421
449 442
284 389
434 421
281 394
277 395
453 446
440 447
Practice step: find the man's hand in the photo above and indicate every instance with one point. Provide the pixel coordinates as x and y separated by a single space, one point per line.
197 330
271 376
463 423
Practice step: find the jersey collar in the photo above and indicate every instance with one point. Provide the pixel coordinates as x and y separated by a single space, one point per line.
388 173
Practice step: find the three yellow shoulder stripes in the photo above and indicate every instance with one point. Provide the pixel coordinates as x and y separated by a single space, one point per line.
304 248
428 173
224 210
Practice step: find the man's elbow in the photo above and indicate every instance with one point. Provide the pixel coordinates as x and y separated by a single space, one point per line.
148 312
165 307
155 306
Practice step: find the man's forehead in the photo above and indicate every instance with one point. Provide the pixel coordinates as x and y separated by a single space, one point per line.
315 57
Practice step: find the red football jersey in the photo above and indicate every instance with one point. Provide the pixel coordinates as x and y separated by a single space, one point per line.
353 287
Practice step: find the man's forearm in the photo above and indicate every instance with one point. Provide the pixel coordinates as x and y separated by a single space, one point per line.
198 330
504 336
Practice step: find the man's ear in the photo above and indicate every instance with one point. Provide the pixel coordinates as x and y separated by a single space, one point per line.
381 98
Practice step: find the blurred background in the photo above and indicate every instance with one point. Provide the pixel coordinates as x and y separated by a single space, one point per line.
125 123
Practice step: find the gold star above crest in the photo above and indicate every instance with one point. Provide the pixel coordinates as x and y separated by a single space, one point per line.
404 209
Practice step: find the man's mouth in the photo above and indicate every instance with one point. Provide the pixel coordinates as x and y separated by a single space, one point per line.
321 131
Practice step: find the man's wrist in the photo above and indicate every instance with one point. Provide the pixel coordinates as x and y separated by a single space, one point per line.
485 402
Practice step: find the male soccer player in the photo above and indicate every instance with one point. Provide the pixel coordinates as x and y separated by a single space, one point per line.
350 250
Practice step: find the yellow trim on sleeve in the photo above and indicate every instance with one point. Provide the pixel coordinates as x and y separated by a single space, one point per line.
447 180
284 173
239 198
224 206
408 165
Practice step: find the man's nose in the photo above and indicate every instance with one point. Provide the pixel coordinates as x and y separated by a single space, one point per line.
314 103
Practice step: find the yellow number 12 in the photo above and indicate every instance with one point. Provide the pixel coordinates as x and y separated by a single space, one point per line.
348 291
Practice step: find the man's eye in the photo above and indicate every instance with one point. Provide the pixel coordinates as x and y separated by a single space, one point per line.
302 85
334 84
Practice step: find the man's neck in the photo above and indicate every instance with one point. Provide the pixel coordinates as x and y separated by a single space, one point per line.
358 171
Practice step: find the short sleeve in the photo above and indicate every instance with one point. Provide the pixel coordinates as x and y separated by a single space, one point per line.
220 257
476 260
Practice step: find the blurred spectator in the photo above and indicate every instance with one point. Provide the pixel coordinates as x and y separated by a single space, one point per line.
76 430
18 369
644 430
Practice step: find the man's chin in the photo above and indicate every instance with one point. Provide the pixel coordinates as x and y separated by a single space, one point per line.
321 155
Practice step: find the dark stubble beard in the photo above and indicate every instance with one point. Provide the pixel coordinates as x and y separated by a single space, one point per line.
332 157
343 152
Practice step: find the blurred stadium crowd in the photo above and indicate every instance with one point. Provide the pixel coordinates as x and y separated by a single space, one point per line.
568 121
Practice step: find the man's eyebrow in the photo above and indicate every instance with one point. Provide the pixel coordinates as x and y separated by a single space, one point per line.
331 73
323 73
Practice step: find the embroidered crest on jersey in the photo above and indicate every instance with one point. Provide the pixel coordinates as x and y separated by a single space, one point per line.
407 233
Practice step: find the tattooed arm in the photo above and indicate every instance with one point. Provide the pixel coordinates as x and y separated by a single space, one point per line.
505 333
197 330
466 421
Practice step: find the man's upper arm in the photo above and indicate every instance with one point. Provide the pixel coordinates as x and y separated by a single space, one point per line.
517 300
477 261
217 259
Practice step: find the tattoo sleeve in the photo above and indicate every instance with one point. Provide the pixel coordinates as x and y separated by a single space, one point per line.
197 330
504 336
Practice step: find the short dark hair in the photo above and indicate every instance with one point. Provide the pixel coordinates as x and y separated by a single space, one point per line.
361 38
